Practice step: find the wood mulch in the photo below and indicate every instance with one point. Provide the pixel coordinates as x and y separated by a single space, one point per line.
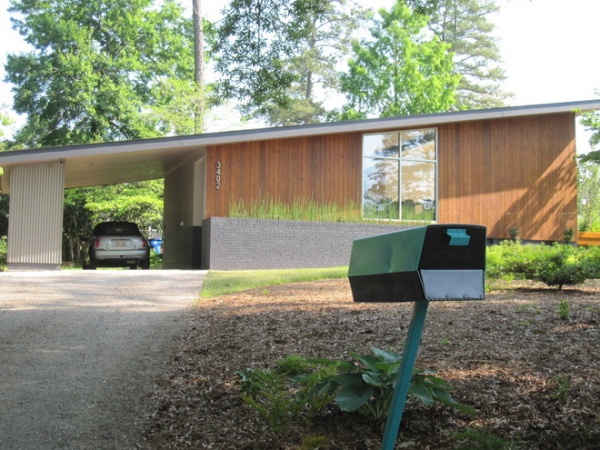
532 375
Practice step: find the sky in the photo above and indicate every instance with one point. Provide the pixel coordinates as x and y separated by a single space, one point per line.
549 49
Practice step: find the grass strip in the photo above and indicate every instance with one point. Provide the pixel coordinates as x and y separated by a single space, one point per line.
229 282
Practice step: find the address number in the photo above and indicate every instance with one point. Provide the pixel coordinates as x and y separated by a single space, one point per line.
218 175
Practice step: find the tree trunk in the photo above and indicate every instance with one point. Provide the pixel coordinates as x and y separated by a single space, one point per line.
199 65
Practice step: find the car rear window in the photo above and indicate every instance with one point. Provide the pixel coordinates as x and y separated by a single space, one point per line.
107 229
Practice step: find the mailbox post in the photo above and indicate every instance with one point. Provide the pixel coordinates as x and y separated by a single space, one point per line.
423 264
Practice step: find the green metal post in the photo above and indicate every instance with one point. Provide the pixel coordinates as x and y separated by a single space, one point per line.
409 357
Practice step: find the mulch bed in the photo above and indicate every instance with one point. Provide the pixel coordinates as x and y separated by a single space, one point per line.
532 374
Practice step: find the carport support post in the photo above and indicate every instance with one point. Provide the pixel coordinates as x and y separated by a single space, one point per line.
409 357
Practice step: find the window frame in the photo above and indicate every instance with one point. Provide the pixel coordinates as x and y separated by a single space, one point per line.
400 161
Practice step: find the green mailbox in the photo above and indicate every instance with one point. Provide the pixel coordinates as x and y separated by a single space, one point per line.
420 265
434 262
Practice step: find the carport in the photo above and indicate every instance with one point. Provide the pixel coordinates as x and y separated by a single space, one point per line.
36 179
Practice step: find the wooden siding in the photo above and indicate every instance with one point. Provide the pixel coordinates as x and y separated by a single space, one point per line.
322 168
501 173
509 173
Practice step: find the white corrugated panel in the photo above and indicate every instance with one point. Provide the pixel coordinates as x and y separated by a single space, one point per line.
36 214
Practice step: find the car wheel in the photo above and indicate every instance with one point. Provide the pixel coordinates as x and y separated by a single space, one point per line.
145 264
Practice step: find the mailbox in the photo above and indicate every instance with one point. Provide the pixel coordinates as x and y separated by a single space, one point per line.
434 262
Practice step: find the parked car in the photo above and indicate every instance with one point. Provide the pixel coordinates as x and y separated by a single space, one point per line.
118 244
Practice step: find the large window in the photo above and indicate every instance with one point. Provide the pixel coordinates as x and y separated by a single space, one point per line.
399 175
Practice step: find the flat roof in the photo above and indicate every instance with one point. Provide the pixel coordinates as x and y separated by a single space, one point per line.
138 160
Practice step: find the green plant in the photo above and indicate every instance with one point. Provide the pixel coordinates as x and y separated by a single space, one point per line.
568 235
266 391
297 388
513 233
563 309
3 253
315 443
481 439
276 395
299 209
554 265
367 385
563 384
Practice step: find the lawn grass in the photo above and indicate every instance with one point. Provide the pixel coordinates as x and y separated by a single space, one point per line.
228 282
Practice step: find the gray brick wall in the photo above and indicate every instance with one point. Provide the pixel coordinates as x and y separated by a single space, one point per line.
239 244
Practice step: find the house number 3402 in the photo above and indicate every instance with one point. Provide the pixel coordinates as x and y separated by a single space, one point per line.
218 175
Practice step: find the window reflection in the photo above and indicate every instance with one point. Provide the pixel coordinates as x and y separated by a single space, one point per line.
400 185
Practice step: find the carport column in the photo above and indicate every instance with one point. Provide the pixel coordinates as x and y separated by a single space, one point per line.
36 216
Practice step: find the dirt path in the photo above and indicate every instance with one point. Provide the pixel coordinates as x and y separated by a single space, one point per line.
80 351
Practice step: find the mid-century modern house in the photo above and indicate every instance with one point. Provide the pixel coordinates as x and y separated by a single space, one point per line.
506 168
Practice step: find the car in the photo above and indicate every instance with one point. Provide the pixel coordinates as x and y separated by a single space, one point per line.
118 244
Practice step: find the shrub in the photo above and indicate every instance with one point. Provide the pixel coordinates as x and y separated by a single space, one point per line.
554 265
300 387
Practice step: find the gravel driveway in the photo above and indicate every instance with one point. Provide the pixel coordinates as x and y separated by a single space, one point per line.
80 351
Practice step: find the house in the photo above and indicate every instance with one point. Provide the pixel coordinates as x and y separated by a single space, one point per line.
506 168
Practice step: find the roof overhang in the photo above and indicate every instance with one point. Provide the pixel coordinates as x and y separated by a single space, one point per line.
128 161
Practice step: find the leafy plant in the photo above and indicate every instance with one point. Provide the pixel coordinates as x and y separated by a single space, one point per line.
481 439
267 392
367 385
554 265
278 398
563 384
3 252
563 309
298 388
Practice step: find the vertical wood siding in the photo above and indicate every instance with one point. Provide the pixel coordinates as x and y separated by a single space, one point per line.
508 173
36 210
322 168
513 172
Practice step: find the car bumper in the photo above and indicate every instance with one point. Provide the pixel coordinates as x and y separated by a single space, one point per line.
123 257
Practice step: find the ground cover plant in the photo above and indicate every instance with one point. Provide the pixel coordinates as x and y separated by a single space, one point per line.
526 359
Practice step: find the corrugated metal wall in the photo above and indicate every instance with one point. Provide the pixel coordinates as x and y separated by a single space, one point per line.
36 216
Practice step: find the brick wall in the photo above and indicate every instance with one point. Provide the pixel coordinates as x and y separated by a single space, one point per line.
233 244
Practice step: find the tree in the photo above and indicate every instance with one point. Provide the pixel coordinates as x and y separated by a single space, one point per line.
279 58
399 70
139 202
103 70
324 31
464 25
591 122
589 196
98 68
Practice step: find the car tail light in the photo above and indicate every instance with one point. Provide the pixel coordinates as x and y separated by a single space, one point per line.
97 243
144 243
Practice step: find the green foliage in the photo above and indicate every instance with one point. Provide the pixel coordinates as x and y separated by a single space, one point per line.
367 385
140 202
591 122
481 439
398 71
268 393
97 68
588 195
465 26
300 209
3 253
554 265
278 58
298 388
564 309
563 384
